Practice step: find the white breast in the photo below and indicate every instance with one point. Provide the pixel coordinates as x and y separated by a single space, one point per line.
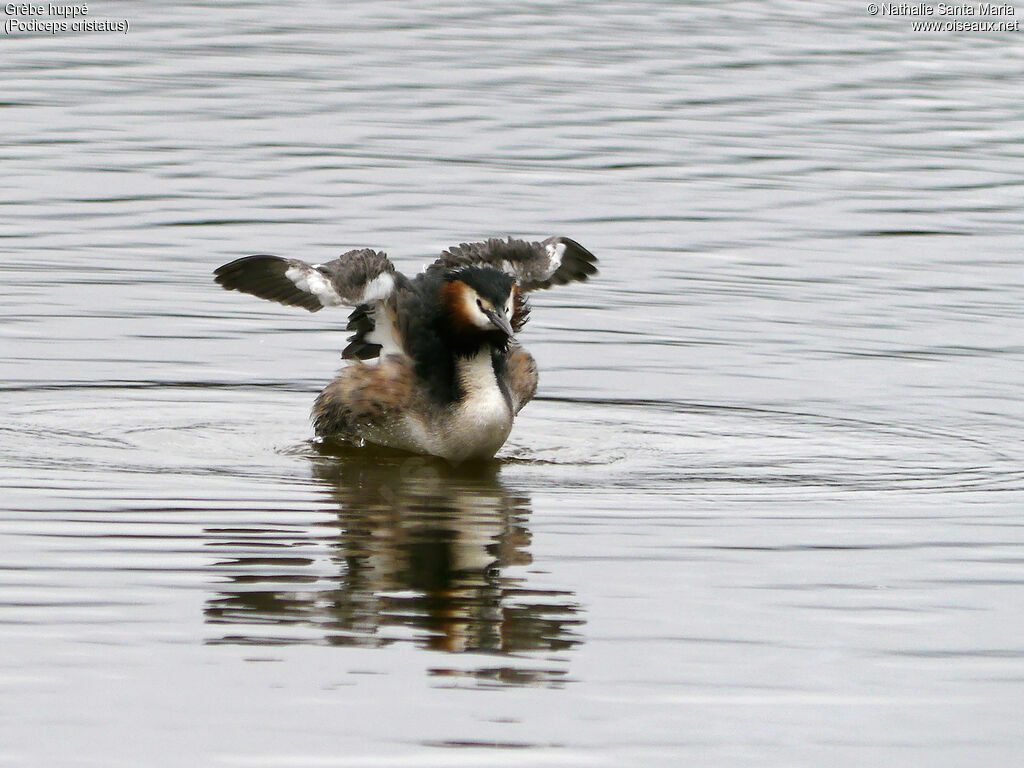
481 422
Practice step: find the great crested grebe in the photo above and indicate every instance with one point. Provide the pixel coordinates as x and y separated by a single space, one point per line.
446 375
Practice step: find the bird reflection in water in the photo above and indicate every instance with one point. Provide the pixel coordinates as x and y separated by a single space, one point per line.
419 552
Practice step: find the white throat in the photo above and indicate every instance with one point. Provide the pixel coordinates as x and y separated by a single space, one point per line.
476 374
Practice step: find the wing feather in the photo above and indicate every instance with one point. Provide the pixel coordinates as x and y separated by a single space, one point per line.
555 261
361 276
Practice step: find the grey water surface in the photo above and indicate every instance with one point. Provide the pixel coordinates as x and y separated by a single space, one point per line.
767 509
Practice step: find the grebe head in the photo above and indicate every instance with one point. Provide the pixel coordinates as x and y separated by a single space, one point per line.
479 306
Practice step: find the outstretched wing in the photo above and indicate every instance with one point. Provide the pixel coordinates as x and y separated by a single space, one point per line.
555 261
358 277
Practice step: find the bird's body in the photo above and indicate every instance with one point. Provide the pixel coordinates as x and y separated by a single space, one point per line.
434 364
